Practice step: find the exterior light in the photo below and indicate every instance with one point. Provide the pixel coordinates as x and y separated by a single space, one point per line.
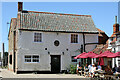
48 52
63 53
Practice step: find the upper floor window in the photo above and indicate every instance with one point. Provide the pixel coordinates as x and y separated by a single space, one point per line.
74 38
37 37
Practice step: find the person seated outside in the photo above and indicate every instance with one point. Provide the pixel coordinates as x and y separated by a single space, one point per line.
108 70
79 67
115 69
86 73
118 69
89 68
93 68
99 67
86 66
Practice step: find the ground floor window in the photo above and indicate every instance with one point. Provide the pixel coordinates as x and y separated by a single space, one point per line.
10 59
72 59
31 58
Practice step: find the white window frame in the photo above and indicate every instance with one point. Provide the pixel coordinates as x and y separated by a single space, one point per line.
41 36
32 58
78 38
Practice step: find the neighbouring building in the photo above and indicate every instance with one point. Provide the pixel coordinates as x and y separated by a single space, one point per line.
114 43
45 41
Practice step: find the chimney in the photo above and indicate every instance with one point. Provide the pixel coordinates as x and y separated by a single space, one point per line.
115 26
115 19
20 6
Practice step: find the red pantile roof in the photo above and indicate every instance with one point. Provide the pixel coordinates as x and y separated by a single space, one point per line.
113 35
113 41
101 48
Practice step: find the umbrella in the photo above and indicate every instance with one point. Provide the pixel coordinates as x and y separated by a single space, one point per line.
105 54
88 55
101 61
117 54
79 55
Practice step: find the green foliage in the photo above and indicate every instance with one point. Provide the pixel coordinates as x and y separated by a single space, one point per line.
72 69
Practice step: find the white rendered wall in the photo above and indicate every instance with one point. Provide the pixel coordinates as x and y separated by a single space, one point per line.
26 45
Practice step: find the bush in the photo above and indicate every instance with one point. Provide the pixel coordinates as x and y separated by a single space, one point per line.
72 69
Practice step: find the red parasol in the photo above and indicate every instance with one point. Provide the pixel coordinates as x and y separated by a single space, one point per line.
88 55
79 55
114 55
101 61
105 54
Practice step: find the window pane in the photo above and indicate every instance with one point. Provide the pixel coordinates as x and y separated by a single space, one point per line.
37 37
27 56
27 60
74 38
36 56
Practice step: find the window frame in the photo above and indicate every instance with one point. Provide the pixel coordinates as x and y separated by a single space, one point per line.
32 58
41 37
71 38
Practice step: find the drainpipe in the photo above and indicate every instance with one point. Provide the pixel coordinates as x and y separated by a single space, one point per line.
83 42
14 35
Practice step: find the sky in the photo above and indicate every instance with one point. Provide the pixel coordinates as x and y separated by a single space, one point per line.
103 13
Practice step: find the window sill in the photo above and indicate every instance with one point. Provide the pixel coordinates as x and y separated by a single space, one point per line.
31 62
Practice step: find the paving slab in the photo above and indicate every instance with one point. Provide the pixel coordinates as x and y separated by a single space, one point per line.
9 74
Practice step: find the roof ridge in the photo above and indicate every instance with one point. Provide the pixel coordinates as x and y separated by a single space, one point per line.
59 13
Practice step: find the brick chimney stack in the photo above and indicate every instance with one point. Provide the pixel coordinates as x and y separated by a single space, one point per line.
20 6
115 26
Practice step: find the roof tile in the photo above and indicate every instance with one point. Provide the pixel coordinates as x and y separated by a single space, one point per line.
41 21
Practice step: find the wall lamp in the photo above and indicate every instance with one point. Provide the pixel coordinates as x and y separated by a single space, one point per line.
63 53
48 52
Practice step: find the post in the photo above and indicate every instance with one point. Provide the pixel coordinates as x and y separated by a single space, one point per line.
92 60
2 53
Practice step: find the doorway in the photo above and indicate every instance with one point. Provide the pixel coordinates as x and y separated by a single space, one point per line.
55 63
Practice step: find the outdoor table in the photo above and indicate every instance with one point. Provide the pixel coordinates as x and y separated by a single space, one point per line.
117 74
100 73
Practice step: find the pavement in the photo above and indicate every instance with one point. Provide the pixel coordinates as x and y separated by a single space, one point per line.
6 74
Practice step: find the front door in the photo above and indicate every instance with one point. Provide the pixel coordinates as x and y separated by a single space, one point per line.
55 63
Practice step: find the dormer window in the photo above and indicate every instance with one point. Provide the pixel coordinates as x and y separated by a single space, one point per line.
74 38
